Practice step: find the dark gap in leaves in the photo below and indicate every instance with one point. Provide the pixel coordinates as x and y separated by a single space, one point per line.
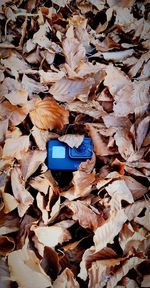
62 177
59 59
95 20
142 213
26 126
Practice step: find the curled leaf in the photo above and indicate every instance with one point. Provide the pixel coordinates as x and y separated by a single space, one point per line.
66 280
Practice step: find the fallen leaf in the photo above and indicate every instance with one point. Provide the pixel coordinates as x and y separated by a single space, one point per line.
118 190
106 233
15 114
136 188
73 50
145 220
41 137
66 280
7 245
82 185
51 235
8 223
33 86
92 108
50 77
4 275
100 147
145 281
141 131
124 142
48 114
15 148
15 63
79 210
41 205
3 129
129 264
40 37
24 262
73 140
30 161
134 209
10 203
21 194
67 90
13 91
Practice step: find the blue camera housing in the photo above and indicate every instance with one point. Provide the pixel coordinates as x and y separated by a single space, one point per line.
62 157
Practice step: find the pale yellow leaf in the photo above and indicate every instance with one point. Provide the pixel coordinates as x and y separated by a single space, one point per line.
50 77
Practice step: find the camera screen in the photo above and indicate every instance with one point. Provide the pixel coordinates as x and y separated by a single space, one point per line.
58 152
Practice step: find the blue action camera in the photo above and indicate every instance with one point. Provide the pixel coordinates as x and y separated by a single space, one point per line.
62 157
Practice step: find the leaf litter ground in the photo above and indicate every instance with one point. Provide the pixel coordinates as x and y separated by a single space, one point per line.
70 69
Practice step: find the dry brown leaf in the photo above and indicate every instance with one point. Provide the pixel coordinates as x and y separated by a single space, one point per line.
141 131
15 148
13 113
51 235
128 235
26 270
144 220
92 108
30 161
90 256
22 195
15 63
124 142
7 245
112 120
41 137
50 77
145 281
8 223
73 49
3 129
118 190
139 63
14 91
10 203
137 189
129 97
82 185
88 165
40 37
41 205
66 280
125 268
106 233
40 183
48 114
79 210
100 147
73 140
66 90
100 272
134 209
4 275
122 3
33 86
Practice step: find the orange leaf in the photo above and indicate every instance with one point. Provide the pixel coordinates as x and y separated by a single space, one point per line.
48 114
